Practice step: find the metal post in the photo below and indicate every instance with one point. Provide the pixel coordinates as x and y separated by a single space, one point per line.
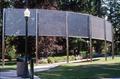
90 49
3 39
26 3
90 38
26 46
112 42
67 45
37 31
32 69
26 35
27 15
105 40
67 39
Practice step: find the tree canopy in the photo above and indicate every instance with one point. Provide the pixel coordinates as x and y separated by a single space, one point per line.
100 8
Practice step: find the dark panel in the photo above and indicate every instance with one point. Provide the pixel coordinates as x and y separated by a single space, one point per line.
15 22
108 31
97 26
78 25
52 23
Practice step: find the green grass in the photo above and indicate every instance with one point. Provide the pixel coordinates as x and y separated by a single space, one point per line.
80 70
84 70
9 65
56 59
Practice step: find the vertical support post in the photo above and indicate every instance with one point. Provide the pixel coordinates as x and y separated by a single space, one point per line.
105 47
26 48
26 3
3 40
32 65
32 69
90 49
113 46
67 45
26 74
67 39
37 31
26 36
90 38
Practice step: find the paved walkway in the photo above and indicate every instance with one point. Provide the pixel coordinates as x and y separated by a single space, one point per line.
13 75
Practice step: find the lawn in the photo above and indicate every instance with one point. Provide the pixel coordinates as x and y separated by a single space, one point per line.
79 70
99 68
9 65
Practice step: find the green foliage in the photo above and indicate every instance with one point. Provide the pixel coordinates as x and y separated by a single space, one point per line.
59 59
77 43
50 60
43 61
56 59
10 48
113 13
72 58
93 7
11 52
83 54
115 20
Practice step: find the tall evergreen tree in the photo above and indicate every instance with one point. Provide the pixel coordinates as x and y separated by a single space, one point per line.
114 17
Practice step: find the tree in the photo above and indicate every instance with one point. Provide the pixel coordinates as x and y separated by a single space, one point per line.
113 13
114 17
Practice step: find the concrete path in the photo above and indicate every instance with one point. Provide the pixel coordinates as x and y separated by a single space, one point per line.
12 75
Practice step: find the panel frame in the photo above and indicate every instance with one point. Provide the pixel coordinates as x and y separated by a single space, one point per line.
39 23
94 30
87 25
21 31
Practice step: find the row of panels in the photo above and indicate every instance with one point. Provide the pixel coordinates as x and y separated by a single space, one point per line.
56 23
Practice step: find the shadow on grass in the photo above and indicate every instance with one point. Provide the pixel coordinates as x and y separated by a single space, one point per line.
82 72
9 65
13 62
6 69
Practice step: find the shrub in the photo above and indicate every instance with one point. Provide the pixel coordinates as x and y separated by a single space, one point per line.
71 58
43 61
50 60
83 54
11 53
57 59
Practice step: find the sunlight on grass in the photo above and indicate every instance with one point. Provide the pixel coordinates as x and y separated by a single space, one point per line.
100 60
99 68
7 67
